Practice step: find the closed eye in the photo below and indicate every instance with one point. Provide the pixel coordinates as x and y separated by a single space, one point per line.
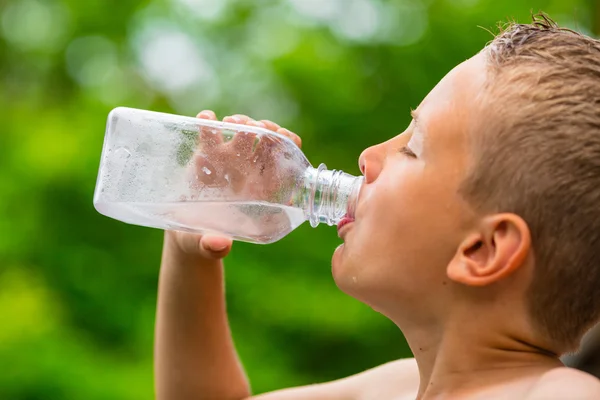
406 151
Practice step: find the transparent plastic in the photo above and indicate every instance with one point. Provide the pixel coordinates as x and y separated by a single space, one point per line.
180 173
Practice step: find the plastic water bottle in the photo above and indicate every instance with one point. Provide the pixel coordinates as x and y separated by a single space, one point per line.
180 173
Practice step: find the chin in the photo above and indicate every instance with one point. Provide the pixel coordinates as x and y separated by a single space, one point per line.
345 270
337 261
361 277
344 256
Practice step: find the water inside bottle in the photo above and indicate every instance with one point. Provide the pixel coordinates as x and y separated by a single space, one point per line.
254 222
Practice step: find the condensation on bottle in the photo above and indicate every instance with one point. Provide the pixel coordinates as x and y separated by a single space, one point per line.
195 175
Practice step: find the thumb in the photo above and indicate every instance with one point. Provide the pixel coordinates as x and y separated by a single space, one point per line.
215 247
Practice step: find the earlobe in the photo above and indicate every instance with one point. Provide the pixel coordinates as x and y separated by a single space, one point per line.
499 247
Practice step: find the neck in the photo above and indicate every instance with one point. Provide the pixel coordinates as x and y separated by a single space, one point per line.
474 351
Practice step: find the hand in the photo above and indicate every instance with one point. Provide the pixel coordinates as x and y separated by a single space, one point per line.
214 247
245 120
245 166
197 247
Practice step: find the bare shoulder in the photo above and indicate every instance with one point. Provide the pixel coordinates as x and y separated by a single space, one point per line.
394 380
566 383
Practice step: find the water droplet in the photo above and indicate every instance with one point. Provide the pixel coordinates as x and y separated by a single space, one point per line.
227 177
238 154
122 152
255 158
206 171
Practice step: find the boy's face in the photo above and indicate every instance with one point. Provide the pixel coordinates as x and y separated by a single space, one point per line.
410 218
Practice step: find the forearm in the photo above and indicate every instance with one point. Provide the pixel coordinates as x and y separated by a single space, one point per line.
194 354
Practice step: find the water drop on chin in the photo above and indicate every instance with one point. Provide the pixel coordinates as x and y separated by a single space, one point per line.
226 177
238 154
206 171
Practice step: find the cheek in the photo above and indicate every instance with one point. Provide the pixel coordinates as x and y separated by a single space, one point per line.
391 206
406 233
409 220
386 221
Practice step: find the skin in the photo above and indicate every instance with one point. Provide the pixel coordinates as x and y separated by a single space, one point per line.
451 279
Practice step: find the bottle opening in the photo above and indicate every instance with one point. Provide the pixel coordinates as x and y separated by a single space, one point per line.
334 195
354 196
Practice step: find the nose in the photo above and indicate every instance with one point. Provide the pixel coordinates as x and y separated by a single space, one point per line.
371 162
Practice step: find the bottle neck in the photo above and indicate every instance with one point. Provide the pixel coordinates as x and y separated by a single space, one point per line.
329 196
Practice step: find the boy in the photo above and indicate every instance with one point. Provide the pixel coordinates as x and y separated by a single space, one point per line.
477 233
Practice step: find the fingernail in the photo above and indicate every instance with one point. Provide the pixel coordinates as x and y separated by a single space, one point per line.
237 119
218 248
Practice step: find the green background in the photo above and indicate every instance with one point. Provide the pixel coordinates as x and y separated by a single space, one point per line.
78 290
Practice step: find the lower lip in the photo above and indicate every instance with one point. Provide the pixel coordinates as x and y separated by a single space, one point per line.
345 221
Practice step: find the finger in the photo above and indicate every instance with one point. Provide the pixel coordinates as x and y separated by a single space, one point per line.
209 137
234 119
243 118
263 157
237 119
270 125
291 135
216 247
207 114
243 142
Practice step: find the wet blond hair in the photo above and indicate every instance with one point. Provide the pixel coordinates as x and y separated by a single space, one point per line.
538 155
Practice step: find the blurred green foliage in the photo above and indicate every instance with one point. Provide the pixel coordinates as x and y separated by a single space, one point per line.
78 290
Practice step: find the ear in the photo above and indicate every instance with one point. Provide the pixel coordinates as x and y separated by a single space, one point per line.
494 251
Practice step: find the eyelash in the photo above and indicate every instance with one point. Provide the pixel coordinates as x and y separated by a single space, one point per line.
406 151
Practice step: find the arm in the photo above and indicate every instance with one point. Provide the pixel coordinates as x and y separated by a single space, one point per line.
194 353
195 357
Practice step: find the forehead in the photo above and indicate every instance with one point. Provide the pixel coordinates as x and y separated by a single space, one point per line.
452 103
445 114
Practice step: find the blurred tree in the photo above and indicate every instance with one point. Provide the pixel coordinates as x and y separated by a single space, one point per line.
595 8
